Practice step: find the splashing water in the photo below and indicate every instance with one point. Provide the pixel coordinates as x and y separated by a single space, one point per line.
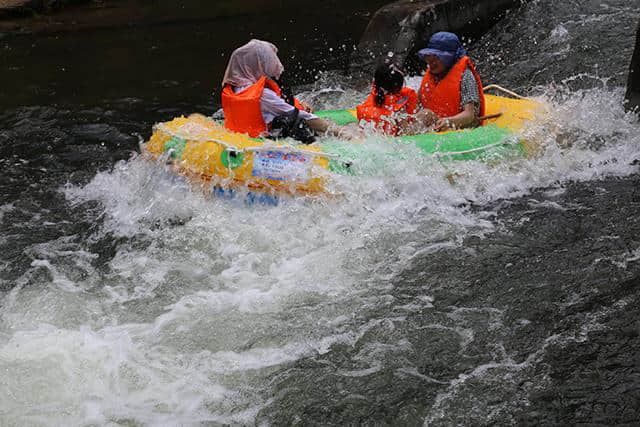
158 305
205 299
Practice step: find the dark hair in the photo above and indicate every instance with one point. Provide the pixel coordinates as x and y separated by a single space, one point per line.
388 78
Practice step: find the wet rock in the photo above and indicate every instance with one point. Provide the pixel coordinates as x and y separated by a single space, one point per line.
13 7
22 7
8 4
633 84
402 28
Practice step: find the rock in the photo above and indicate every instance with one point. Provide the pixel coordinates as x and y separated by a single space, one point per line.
402 28
11 7
25 7
633 83
9 4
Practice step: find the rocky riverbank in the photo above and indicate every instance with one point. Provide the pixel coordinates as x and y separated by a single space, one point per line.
402 28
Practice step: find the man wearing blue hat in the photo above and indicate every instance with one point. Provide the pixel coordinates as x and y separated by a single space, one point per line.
451 90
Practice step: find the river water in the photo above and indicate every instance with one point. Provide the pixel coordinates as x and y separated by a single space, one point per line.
436 294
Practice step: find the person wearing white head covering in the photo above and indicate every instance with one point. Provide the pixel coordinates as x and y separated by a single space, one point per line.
248 82
250 62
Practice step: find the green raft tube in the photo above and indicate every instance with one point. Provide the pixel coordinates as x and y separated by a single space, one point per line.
497 139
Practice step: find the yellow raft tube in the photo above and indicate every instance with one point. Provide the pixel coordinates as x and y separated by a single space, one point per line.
203 150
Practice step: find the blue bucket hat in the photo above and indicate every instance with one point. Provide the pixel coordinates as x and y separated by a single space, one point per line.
446 46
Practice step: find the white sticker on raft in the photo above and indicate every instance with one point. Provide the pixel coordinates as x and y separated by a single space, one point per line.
281 166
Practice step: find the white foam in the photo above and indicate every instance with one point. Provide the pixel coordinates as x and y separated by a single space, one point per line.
4 209
205 297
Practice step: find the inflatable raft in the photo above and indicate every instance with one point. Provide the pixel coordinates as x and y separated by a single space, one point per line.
205 151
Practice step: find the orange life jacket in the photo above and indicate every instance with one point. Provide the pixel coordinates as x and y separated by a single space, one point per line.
242 111
443 97
404 101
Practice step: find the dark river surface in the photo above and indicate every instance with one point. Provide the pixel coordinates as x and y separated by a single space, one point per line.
509 294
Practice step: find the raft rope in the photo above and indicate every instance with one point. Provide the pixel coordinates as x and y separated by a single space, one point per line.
507 91
472 150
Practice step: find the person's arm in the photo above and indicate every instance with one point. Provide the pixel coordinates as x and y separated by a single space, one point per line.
322 126
325 127
469 103
272 106
467 118
319 125
422 121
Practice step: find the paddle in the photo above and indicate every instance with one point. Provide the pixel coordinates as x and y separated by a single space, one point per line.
490 116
